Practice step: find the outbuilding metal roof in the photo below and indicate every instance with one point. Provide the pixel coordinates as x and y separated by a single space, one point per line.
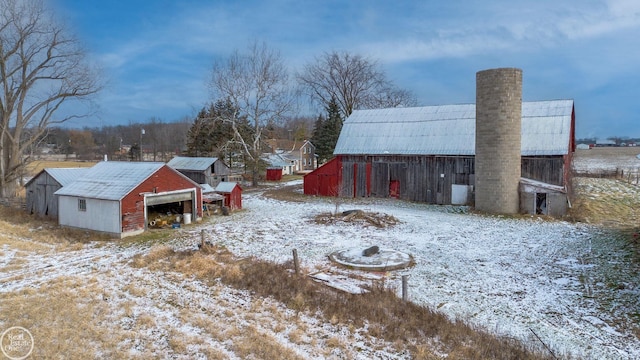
110 180
192 163
63 176
450 130
226 187
66 176
276 160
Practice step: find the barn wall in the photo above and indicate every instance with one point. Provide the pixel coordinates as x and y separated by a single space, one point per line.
548 169
100 215
428 178
40 198
220 169
197 176
418 178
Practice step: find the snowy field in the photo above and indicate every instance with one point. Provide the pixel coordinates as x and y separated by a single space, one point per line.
510 276
574 285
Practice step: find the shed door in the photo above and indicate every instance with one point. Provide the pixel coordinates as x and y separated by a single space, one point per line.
169 198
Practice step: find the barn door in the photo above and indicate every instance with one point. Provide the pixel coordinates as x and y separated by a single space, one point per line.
394 189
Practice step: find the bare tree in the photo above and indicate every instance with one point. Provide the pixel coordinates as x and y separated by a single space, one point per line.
354 81
256 83
41 68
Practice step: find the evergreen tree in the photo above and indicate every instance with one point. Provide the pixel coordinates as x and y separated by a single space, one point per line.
316 137
326 133
199 136
212 134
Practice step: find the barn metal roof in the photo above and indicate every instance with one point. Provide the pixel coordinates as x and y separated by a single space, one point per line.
110 180
450 130
192 163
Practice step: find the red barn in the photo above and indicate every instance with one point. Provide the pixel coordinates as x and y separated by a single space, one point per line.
232 193
427 154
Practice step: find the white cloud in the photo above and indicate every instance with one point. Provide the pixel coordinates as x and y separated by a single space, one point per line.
490 29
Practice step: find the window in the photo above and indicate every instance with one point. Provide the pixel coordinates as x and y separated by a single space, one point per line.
82 204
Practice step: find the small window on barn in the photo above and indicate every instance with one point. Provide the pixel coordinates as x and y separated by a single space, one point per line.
82 204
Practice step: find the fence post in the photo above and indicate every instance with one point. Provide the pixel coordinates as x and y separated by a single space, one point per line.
296 262
405 288
202 238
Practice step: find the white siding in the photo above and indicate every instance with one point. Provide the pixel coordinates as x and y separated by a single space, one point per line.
101 215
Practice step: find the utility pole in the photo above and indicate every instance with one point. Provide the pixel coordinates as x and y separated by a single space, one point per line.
141 154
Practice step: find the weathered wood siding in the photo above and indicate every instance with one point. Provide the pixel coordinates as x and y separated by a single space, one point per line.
218 172
420 178
429 178
548 169
220 169
40 198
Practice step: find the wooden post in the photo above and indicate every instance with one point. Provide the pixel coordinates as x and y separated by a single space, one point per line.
405 290
202 238
296 262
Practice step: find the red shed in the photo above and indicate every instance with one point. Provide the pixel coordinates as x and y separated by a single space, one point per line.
117 197
274 174
232 193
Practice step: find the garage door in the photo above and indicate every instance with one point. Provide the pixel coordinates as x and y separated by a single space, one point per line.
169 198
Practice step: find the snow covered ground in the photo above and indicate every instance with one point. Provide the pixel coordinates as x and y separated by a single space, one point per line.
571 284
511 276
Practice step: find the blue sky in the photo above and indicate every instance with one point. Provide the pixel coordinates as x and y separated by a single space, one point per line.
156 55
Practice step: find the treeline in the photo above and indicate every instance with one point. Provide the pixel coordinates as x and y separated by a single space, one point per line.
617 139
159 140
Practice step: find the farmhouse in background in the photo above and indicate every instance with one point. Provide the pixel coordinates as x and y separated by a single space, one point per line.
301 155
232 193
427 154
202 170
40 190
116 197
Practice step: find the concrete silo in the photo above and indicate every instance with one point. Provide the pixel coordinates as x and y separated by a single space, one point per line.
498 140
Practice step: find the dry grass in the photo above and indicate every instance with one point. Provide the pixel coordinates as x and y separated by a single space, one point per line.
36 166
259 345
608 202
27 233
292 193
63 317
405 324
